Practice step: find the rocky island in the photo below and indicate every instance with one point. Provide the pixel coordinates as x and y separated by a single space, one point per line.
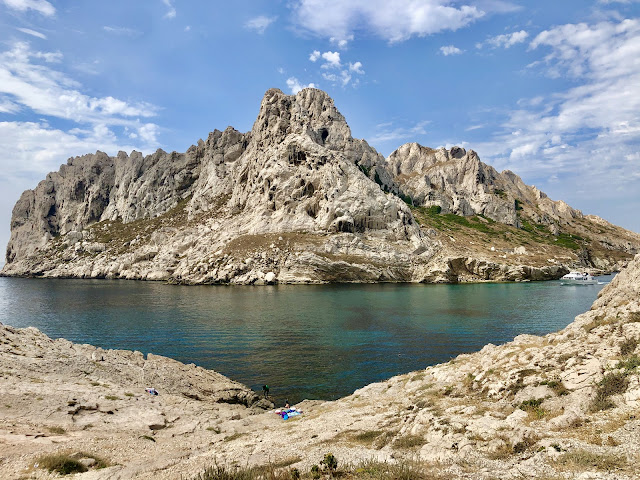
299 200
561 406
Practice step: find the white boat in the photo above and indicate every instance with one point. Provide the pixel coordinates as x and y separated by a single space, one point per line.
578 278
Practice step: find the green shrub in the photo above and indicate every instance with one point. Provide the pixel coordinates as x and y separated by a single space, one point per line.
629 364
532 406
330 463
612 384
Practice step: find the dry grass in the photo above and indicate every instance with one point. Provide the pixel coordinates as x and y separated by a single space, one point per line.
408 442
66 464
582 460
366 470
599 321
57 430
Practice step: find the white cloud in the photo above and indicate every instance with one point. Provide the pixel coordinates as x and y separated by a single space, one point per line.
46 91
332 59
356 68
40 6
343 77
33 33
450 50
260 23
588 133
34 148
7 106
341 42
122 31
294 84
386 132
333 68
506 40
393 21
187 28
171 11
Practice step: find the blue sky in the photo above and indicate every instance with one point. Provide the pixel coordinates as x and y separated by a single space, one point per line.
548 89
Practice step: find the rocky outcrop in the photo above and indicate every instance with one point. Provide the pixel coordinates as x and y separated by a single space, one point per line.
560 406
297 200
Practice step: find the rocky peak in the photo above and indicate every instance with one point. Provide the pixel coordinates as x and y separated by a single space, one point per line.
310 112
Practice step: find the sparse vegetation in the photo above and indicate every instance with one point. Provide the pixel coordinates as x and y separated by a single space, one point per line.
57 430
598 322
629 364
557 386
580 460
533 408
628 346
612 384
366 470
408 441
66 464
62 464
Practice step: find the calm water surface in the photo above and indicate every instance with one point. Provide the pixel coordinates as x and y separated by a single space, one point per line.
304 341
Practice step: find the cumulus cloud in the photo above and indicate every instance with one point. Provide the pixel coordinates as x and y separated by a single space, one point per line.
506 40
332 59
40 6
450 50
260 23
33 33
333 69
171 11
294 84
356 68
392 21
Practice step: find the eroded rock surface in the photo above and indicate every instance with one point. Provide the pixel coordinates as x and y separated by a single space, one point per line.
299 200
566 405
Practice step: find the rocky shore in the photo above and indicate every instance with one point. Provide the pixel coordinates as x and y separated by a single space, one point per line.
566 405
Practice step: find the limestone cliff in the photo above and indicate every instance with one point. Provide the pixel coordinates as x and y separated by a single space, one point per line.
298 199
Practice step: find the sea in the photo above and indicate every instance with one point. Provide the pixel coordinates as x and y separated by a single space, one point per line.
304 341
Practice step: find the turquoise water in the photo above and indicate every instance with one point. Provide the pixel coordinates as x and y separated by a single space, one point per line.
304 341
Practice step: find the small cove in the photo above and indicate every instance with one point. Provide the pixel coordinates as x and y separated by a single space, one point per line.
316 341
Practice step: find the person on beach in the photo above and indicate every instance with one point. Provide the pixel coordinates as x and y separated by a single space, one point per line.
265 390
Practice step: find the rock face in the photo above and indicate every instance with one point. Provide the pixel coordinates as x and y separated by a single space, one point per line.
560 406
296 199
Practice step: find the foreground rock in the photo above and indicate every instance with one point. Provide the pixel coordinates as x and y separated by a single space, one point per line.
565 405
299 200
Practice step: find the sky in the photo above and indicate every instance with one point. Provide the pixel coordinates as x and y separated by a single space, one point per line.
547 89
